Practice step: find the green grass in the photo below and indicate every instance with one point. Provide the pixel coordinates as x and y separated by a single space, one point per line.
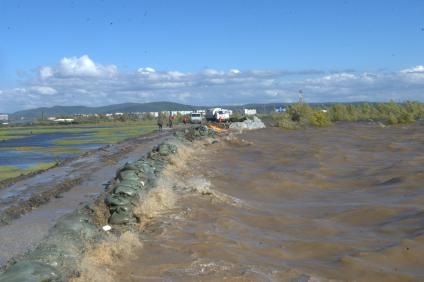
109 135
7 137
77 141
103 133
101 127
52 149
7 172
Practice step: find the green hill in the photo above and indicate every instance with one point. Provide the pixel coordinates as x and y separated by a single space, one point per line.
123 108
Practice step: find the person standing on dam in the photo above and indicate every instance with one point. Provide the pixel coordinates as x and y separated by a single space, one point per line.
170 120
160 123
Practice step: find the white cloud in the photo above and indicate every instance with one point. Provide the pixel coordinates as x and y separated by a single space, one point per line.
46 72
414 75
78 67
43 90
339 77
416 69
19 90
175 74
211 72
81 81
147 70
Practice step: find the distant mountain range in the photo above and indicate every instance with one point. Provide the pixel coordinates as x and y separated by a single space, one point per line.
127 108
116 108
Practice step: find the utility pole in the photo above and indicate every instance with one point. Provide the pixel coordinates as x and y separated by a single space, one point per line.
301 96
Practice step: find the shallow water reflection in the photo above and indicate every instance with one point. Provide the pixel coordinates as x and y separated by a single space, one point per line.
34 148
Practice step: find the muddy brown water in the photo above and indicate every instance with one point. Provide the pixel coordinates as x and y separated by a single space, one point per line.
343 203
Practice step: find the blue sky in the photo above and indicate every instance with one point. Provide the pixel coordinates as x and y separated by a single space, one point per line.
294 42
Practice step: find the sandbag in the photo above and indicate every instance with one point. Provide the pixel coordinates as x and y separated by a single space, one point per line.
121 216
117 200
126 190
135 183
130 166
127 174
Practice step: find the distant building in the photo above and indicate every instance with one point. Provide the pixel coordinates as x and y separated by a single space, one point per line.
82 115
4 117
174 113
280 110
185 112
64 120
250 112
202 112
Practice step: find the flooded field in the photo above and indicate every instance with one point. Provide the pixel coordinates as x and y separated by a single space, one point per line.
342 203
24 149
39 148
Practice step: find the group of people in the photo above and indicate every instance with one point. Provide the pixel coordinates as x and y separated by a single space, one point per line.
170 124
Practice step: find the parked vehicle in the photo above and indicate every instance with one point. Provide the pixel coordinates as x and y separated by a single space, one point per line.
218 114
196 118
210 113
222 115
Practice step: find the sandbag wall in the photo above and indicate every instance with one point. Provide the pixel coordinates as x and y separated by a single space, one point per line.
57 257
133 179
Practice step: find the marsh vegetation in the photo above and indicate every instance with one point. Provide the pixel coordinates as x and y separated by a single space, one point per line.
14 171
27 149
300 115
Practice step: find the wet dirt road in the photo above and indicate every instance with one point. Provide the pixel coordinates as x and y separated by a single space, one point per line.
61 190
343 203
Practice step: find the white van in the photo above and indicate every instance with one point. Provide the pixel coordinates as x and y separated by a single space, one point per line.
196 118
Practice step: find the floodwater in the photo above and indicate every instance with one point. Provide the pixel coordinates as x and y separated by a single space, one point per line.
39 139
341 203
9 156
24 160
